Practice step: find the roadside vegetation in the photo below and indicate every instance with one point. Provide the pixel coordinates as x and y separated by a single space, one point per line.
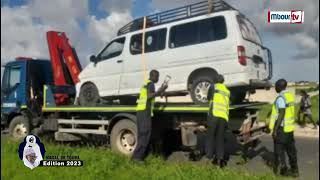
307 89
266 110
101 163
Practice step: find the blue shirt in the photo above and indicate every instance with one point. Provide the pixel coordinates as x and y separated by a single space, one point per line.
280 104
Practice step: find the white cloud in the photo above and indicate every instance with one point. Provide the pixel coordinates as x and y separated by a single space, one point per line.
120 6
19 36
103 30
23 29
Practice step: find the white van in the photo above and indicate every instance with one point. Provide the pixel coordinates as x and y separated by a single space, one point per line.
190 45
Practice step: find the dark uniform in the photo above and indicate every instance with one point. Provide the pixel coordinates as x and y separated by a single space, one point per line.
217 121
144 123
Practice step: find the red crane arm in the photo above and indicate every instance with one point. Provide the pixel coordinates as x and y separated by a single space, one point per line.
65 63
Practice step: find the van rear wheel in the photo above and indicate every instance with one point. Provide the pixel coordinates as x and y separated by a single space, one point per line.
200 87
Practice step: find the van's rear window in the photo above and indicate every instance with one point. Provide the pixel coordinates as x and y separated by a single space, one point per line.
248 31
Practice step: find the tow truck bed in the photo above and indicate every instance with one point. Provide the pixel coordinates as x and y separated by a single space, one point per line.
183 121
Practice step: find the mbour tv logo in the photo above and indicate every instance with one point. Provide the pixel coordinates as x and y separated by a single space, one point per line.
293 16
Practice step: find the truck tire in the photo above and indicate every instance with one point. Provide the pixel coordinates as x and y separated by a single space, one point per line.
89 95
200 87
123 138
19 127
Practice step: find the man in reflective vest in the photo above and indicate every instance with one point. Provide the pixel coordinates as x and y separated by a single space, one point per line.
218 117
282 125
145 113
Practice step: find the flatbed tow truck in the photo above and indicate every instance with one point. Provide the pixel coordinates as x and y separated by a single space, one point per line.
35 98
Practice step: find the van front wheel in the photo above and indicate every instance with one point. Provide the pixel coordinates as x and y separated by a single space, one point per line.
199 89
89 95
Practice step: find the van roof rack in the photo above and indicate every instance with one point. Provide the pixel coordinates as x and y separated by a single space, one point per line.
185 12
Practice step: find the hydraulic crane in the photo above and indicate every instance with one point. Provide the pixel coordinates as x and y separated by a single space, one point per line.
65 63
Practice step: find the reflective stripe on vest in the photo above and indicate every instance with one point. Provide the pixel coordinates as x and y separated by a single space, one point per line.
220 101
289 117
143 98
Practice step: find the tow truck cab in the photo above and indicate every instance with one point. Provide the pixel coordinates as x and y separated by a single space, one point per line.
22 86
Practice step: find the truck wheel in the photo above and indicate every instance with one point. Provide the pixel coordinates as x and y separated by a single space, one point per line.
200 87
19 127
89 95
124 137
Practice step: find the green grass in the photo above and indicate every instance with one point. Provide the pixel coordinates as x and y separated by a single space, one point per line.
266 110
101 163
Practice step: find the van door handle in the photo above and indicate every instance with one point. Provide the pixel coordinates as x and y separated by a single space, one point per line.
119 61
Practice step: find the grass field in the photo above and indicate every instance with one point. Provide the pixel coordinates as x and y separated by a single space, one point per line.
266 109
101 163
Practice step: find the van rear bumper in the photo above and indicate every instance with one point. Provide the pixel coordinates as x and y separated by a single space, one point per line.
260 84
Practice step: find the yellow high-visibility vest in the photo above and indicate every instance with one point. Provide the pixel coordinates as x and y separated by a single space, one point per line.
289 117
220 101
143 98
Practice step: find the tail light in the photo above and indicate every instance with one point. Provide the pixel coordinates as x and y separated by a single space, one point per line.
242 55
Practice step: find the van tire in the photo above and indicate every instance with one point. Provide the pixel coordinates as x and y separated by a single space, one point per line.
198 95
89 95
123 138
19 127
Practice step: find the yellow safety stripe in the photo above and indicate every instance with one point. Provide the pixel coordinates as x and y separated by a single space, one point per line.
89 108
124 108
44 96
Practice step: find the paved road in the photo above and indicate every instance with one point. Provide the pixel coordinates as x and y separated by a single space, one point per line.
308 158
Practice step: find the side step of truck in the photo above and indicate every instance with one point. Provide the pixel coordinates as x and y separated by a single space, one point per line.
70 129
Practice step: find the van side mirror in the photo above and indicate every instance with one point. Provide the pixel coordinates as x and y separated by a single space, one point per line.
93 59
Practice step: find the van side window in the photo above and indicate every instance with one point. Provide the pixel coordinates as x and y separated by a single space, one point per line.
183 35
198 32
113 49
212 29
154 41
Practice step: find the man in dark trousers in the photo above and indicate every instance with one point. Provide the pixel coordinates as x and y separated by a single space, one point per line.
218 116
282 125
145 113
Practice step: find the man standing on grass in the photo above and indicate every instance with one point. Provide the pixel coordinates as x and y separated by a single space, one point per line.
305 109
282 125
218 117
145 113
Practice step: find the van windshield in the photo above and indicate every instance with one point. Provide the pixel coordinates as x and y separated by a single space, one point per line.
248 31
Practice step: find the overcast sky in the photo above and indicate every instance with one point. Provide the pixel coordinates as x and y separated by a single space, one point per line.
91 24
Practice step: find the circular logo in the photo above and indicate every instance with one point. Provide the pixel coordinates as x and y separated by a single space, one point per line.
149 40
31 151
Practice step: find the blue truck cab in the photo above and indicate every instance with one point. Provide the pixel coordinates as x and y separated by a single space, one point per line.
21 92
